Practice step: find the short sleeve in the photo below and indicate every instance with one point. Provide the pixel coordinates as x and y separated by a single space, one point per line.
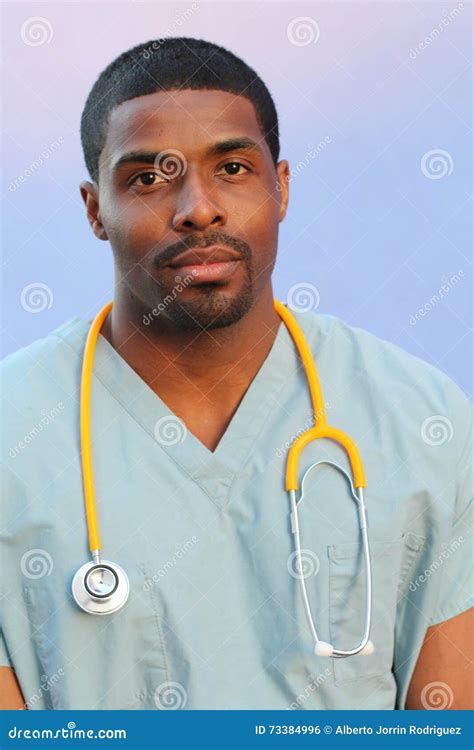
455 580
4 657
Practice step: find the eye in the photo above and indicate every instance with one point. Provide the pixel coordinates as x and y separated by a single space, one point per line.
146 181
232 168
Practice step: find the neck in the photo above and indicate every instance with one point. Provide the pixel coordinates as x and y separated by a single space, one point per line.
213 366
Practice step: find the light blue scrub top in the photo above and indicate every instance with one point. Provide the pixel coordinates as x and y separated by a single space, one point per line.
215 620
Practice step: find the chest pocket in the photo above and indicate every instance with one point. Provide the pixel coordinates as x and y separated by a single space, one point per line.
391 565
87 661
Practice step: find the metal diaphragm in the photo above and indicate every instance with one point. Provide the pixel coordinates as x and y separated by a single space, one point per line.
100 588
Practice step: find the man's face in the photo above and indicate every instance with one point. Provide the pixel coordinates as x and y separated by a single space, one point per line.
187 196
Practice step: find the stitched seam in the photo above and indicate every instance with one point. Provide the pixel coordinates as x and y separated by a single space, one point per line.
157 618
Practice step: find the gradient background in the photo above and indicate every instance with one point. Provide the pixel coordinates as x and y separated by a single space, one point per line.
376 223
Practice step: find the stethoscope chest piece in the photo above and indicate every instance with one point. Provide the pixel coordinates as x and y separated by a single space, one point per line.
100 588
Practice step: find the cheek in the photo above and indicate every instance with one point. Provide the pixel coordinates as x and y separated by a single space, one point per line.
264 263
134 231
263 236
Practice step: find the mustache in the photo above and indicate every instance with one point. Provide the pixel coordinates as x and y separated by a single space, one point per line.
214 238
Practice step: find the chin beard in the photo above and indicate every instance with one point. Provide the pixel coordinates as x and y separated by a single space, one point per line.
213 309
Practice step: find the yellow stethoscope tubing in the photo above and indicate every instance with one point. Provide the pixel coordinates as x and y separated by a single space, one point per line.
85 429
321 428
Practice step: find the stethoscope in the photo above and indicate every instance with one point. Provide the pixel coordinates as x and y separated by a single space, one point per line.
101 587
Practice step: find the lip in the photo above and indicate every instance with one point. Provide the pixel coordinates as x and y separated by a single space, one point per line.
197 256
195 273
206 264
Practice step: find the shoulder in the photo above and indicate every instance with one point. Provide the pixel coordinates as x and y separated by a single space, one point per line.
382 361
412 392
43 356
39 383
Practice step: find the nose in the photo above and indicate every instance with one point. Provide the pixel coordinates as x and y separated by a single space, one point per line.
197 206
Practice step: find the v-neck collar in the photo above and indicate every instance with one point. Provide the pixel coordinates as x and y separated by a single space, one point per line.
214 471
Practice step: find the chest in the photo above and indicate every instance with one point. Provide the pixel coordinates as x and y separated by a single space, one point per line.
205 539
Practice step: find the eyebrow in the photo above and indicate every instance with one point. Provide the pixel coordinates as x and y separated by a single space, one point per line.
215 149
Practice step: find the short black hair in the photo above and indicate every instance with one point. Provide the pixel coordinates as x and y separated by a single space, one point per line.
165 64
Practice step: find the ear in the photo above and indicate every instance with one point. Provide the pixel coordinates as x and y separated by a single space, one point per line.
283 180
90 196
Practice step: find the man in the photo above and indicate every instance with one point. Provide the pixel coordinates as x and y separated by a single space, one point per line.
198 391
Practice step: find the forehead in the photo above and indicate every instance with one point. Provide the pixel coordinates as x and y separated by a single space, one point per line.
180 119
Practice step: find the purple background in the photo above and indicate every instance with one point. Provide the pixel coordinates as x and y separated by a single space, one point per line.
376 223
